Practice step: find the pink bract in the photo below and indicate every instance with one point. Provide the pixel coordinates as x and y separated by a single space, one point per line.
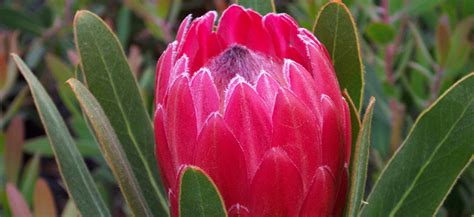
255 103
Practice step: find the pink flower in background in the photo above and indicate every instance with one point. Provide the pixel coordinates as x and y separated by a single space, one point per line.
255 103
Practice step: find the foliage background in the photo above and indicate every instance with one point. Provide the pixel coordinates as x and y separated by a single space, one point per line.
413 50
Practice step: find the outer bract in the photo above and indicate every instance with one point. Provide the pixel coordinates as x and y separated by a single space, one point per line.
255 103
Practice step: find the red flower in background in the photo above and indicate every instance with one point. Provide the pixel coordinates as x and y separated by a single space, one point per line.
255 103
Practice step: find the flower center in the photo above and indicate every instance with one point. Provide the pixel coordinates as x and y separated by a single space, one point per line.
238 60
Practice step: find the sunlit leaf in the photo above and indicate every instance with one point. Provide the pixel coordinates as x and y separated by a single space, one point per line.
360 160
335 28
112 151
199 196
112 83
428 163
74 171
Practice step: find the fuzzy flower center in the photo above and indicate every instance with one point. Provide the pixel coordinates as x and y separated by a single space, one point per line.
240 61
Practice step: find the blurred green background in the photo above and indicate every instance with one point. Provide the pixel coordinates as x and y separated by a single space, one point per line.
413 50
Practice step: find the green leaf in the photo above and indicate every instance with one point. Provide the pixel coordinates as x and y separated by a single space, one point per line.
359 163
355 121
335 28
112 83
30 175
70 210
438 148
61 72
14 106
73 170
18 20
40 145
199 196
123 25
380 32
420 43
261 6
112 150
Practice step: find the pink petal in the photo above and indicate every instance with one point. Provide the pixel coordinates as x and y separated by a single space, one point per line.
296 130
267 88
303 85
163 71
282 30
181 120
313 40
166 162
238 210
180 68
323 73
276 189
341 194
183 29
173 195
205 96
220 155
347 131
333 137
200 43
319 201
244 27
246 115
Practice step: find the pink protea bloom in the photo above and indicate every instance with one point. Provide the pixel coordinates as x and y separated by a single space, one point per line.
255 103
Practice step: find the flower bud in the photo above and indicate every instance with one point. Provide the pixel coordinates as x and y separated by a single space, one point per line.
255 103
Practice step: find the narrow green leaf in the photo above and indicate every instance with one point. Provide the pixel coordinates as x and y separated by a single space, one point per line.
123 25
261 6
438 148
112 83
14 106
61 72
112 150
73 170
420 43
18 20
335 28
70 210
199 196
30 175
40 145
360 159
355 123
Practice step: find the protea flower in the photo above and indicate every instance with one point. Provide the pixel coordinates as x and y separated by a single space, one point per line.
255 103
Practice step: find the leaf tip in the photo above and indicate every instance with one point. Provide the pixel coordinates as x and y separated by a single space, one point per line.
371 103
15 56
81 14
